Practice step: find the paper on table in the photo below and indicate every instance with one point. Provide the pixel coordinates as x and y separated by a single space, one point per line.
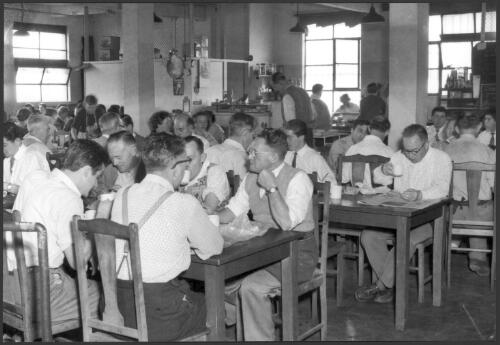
392 199
367 190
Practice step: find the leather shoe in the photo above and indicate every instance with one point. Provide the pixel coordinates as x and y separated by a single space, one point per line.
385 296
366 293
480 267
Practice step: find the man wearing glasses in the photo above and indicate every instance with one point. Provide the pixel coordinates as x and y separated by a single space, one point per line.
420 172
280 197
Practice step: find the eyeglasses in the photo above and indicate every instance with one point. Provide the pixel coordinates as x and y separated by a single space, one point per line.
412 152
187 160
253 153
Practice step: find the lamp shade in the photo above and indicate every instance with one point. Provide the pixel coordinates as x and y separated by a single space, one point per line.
298 28
372 17
21 33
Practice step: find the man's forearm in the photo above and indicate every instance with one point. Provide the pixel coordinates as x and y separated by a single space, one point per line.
279 210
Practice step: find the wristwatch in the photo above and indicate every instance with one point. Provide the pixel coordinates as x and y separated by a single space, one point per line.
272 190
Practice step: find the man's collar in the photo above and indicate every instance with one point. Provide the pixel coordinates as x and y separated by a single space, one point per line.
153 178
467 136
303 150
201 173
277 170
234 143
22 149
371 137
61 176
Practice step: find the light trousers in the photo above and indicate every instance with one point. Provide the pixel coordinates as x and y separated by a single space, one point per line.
382 258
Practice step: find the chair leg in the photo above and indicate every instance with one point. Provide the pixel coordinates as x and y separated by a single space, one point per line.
340 277
239 321
448 260
324 311
361 263
493 263
314 307
420 273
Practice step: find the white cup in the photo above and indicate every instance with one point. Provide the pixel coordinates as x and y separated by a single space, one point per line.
214 218
107 196
336 192
89 214
397 169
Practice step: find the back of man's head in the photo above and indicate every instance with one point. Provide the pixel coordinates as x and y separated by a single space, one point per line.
90 100
63 111
240 122
380 124
36 122
416 129
197 141
160 149
124 136
356 123
317 88
84 152
372 88
109 123
468 123
276 140
298 127
11 131
23 114
114 108
439 109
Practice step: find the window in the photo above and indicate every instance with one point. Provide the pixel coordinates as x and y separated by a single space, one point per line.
41 61
332 58
448 55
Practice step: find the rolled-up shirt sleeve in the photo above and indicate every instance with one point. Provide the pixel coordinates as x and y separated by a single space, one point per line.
240 203
440 185
288 107
298 197
217 183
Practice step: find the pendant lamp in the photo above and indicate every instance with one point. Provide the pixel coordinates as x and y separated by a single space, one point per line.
298 28
372 17
22 32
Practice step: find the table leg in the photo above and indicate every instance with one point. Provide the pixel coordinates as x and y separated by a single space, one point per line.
289 293
437 257
214 300
402 248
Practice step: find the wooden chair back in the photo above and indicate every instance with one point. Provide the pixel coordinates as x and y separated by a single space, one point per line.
234 181
358 163
105 232
55 160
26 294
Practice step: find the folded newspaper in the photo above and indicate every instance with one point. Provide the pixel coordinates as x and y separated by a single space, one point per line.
392 199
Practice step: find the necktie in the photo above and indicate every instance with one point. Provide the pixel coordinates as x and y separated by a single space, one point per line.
492 141
11 164
437 135
294 161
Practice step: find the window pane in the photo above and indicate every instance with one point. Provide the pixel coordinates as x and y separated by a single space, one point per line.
458 23
53 54
319 52
54 93
319 75
355 97
346 76
30 41
433 81
28 93
346 51
343 31
51 40
456 54
433 56
26 53
317 32
435 28
490 23
29 75
55 76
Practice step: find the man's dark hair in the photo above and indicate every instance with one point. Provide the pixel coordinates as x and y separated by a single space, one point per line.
276 140
197 141
63 110
114 108
206 114
84 152
380 123
277 77
359 122
239 121
298 127
416 129
317 88
125 136
127 120
91 100
157 118
438 109
160 149
372 88
23 114
492 112
12 131
189 120
30 107
471 121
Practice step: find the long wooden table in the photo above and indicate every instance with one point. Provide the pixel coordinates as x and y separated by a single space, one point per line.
401 220
242 257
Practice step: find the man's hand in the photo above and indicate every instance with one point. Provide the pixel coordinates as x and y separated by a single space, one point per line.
388 169
411 194
267 180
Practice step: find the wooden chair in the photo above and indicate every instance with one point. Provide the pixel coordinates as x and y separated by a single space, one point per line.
55 160
26 290
358 172
105 232
234 181
475 228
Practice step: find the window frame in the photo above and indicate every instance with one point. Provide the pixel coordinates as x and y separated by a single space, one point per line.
44 63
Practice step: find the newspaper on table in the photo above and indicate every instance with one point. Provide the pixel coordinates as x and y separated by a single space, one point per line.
392 199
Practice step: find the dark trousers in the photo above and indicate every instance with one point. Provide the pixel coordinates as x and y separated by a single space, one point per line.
173 311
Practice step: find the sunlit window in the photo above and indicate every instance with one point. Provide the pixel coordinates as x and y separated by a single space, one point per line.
41 60
332 58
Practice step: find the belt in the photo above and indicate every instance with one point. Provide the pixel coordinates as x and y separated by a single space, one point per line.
466 202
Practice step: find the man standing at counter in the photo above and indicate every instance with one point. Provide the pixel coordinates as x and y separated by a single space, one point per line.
295 103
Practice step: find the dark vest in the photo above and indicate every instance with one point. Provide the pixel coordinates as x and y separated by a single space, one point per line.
303 107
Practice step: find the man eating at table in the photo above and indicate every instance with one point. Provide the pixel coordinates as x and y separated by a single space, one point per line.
420 172
278 196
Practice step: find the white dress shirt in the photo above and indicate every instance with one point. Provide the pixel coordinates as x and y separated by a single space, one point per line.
370 145
6 170
431 176
206 143
166 238
230 155
51 199
297 198
431 133
485 136
216 181
26 160
309 160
